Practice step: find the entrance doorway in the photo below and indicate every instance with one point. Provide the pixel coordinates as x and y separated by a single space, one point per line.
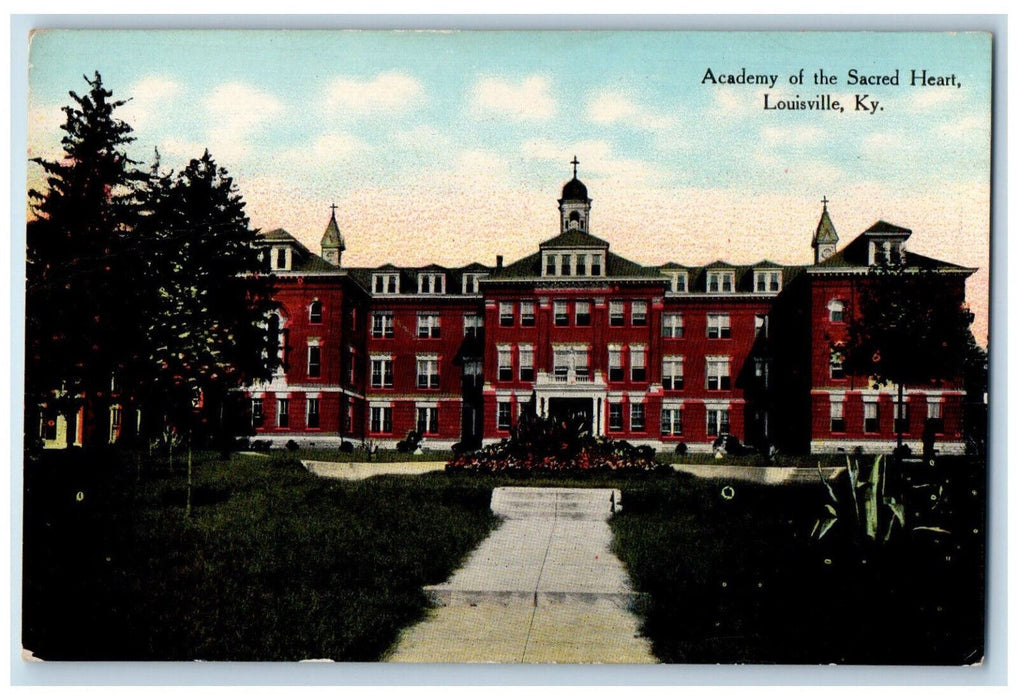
579 410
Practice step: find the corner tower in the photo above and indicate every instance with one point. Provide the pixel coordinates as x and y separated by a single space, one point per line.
333 244
825 239
574 207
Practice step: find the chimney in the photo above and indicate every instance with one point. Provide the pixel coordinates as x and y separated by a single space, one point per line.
498 262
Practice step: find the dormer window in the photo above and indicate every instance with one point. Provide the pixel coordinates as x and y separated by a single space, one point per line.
549 264
767 281
471 282
595 265
887 252
430 283
679 281
282 259
581 265
385 283
566 267
721 282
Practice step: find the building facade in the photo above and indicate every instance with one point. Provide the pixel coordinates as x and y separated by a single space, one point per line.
660 355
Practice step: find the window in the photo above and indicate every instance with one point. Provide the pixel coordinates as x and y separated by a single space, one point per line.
671 420
718 378
427 372
473 373
381 324
351 366
615 365
561 313
526 313
837 417
549 264
381 419
566 265
836 311
762 372
680 281
639 313
381 372
672 373
385 283
281 259
638 363
347 411
505 363
315 312
562 360
428 326
637 417
581 265
717 421
672 326
427 420
760 325
583 313
257 414
720 282
312 416
314 361
505 415
614 416
505 313
900 416
526 363
718 326
767 281
581 364
837 365
430 283
595 265
472 325
471 282
283 413
870 417
934 415
616 314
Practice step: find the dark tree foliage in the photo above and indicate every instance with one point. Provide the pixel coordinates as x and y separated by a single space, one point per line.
138 288
205 331
81 266
911 329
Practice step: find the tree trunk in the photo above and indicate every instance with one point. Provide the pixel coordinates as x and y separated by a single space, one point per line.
900 422
187 512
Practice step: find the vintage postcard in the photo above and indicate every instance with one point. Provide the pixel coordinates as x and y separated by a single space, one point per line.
616 347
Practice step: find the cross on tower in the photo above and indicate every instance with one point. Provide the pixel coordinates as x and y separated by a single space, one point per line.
825 200
575 163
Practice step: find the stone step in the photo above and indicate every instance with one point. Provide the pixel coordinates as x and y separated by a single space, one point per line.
446 597
525 502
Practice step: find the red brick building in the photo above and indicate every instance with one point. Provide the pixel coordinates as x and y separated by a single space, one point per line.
659 355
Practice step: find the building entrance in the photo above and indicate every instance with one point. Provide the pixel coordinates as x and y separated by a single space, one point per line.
581 410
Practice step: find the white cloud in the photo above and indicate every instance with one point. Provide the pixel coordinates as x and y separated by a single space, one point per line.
616 108
43 137
386 92
235 112
933 98
326 150
793 135
596 158
148 99
423 138
528 100
730 104
967 126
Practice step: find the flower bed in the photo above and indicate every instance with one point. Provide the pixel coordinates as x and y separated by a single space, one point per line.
539 445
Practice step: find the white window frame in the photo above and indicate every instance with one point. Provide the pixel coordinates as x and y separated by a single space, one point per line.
433 282
560 312
428 367
430 419
385 373
526 363
503 415
673 372
637 409
836 306
837 414
473 325
505 363
638 310
429 324
384 327
671 419
713 364
380 420
616 313
672 325
719 326
506 310
720 281
637 361
389 283
528 314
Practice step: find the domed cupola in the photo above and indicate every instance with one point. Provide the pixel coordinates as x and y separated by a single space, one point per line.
574 206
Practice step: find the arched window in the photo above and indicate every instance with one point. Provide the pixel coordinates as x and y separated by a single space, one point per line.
836 309
315 311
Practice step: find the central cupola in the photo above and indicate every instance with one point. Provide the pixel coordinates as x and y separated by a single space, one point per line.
574 206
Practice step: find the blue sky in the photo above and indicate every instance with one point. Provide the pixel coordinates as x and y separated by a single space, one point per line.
452 147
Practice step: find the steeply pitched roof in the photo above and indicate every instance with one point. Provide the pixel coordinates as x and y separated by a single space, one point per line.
332 238
884 227
825 232
303 259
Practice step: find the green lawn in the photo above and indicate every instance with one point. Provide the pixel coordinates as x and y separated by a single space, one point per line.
274 564
739 579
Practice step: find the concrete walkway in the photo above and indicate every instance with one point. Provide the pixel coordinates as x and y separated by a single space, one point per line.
543 588
758 475
364 470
